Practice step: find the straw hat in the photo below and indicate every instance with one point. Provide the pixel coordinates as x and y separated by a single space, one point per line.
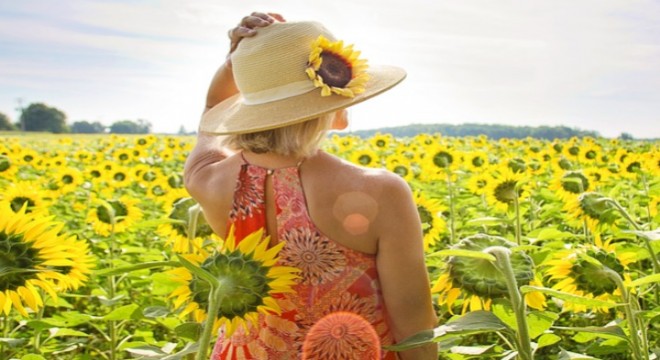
271 73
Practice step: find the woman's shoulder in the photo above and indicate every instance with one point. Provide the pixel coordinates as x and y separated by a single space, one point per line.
349 176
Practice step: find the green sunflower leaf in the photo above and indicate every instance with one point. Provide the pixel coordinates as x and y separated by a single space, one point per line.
576 299
567 355
607 332
189 330
547 340
122 313
464 253
32 357
474 322
488 221
651 279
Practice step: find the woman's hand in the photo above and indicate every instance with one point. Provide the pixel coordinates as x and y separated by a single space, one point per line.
246 28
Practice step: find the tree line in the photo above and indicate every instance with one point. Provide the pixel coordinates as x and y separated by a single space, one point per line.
491 131
43 118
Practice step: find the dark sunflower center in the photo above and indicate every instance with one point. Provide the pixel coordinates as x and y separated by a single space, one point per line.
95 173
401 170
123 157
28 158
575 182
4 163
590 155
443 159
381 143
477 161
142 141
119 208
592 278
149 176
334 70
18 260
634 167
119 176
574 150
18 202
365 159
557 147
67 179
175 181
158 191
426 217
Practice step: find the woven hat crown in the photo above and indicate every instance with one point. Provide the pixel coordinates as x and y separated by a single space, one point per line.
276 56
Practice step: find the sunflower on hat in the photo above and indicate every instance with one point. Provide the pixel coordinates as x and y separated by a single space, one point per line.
336 68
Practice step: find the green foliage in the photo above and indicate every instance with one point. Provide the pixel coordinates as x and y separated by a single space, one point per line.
492 131
85 127
130 127
5 123
41 117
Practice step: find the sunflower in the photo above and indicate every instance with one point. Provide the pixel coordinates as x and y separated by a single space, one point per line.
504 187
400 166
122 156
591 153
478 281
67 179
336 69
365 157
571 184
633 166
430 213
32 253
28 194
114 215
249 276
7 168
478 183
440 159
476 160
575 271
382 141
590 208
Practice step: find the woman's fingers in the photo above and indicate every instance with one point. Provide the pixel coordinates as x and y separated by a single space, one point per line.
247 25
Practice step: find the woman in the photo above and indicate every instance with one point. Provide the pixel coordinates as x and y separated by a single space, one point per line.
354 233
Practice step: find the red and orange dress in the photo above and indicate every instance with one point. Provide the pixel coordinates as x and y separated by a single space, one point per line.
333 277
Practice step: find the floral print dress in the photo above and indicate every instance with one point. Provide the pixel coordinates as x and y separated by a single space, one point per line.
333 277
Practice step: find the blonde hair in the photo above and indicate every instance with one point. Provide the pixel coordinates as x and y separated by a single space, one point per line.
299 140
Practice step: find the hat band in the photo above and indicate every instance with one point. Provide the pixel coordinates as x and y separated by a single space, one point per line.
278 93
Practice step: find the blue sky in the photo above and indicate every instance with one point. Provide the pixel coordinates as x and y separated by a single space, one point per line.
588 64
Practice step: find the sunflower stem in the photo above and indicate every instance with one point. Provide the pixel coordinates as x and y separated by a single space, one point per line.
452 222
639 350
503 263
649 248
516 206
193 216
211 314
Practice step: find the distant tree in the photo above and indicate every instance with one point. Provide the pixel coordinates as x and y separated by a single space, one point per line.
5 123
40 117
130 127
182 130
85 127
626 136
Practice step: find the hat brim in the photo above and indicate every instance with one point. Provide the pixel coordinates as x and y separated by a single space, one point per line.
232 116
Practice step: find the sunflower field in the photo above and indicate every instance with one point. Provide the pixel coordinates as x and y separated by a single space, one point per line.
536 249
